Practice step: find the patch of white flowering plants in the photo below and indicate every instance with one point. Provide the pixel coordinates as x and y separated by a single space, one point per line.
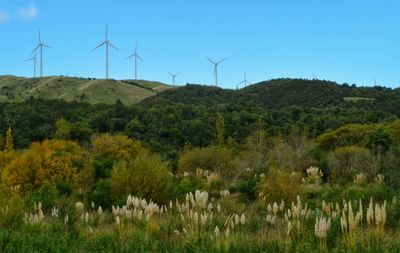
199 217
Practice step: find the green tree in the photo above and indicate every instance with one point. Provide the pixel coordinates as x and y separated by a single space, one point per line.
63 129
145 176
220 130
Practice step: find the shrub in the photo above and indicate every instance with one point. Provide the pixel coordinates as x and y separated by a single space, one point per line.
101 193
247 185
64 187
46 195
103 168
45 162
181 186
214 158
345 162
145 176
281 184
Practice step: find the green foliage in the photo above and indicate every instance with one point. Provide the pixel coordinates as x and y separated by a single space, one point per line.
63 129
101 193
145 176
281 184
46 195
103 168
344 163
220 131
181 186
247 185
214 158
64 187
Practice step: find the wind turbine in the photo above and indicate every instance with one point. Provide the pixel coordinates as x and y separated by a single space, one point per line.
40 46
173 77
136 55
107 43
245 81
34 59
216 68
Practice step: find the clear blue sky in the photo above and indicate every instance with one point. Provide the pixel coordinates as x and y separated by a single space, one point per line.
341 40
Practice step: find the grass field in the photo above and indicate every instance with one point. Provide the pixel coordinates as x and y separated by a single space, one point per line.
86 90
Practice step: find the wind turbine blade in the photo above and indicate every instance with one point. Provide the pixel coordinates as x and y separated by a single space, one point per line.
177 73
140 58
222 60
242 82
34 50
170 73
106 31
99 46
109 43
40 40
31 59
129 57
136 47
210 60
46 46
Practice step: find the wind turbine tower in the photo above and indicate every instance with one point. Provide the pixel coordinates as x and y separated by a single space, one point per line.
216 63
40 46
136 56
107 43
245 81
34 60
173 77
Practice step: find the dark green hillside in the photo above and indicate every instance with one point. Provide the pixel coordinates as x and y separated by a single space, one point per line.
280 93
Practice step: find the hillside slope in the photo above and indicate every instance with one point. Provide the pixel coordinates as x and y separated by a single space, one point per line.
280 93
77 89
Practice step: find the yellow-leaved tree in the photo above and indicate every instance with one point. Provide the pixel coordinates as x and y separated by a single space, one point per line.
9 145
115 147
42 163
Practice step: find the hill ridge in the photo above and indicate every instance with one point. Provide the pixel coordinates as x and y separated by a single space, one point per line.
15 89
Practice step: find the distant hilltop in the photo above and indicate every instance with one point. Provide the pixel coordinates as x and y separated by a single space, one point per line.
89 90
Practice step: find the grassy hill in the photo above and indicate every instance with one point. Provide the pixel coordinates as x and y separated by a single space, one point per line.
78 89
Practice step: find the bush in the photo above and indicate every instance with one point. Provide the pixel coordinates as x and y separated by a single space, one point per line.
47 195
101 193
345 162
64 187
145 176
282 184
45 162
103 168
247 185
181 186
214 158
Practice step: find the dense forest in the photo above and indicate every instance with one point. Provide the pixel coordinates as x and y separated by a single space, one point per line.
283 166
